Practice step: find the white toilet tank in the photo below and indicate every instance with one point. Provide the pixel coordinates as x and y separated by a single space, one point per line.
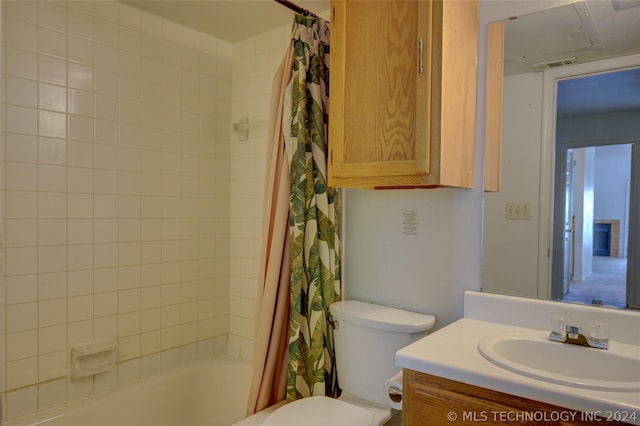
366 339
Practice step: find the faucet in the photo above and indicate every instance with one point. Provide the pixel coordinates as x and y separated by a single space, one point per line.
596 337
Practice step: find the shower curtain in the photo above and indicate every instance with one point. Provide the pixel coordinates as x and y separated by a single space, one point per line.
313 224
269 381
299 267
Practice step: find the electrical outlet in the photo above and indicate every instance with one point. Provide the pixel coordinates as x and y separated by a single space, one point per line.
517 211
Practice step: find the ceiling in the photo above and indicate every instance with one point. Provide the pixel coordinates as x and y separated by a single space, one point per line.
587 30
230 20
580 32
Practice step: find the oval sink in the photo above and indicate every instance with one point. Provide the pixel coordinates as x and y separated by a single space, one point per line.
533 355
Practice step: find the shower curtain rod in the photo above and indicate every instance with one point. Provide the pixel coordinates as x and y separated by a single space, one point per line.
295 7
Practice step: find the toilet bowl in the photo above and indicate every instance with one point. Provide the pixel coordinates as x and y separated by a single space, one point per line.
366 338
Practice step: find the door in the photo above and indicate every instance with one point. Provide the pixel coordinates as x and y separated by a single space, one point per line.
569 224
584 196
557 139
381 88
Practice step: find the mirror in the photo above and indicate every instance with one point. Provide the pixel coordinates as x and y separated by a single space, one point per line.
539 48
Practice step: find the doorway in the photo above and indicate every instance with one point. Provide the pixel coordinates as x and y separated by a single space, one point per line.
595 223
579 131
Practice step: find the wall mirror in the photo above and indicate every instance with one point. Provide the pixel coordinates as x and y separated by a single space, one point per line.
569 159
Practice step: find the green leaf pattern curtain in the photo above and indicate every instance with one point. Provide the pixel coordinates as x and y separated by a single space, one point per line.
313 223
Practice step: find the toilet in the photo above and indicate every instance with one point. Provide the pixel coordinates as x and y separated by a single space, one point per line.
366 338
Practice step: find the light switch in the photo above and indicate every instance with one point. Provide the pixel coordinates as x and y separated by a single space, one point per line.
517 211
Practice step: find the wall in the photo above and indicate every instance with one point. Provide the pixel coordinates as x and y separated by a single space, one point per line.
612 174
116 195
255 61
620 126
426 272
429 272
510 247
583 210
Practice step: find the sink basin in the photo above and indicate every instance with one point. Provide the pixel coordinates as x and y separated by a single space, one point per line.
533 355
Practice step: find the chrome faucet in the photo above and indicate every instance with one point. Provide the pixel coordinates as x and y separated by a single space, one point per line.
596 337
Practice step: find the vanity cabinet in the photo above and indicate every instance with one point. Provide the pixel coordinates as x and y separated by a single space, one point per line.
403 93
432 401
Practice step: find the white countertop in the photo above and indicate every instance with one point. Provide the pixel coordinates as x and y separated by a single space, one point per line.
451 352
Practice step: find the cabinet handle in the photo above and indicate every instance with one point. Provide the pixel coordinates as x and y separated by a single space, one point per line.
420 50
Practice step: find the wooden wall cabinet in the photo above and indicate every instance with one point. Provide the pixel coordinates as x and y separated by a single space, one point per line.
433 401
403 93
493 107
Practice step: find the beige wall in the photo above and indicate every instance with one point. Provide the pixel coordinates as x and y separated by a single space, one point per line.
255 61
510 247
116 195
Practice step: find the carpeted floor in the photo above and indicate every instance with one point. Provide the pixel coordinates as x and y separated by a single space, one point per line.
607 283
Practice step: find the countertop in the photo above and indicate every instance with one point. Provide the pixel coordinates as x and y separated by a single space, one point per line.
451 352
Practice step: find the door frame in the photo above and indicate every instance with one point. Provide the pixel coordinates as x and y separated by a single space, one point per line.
633 257
548 171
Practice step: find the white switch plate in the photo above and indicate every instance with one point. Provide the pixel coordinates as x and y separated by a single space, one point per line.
517 211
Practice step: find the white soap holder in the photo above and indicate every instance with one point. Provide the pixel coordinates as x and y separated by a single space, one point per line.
93 357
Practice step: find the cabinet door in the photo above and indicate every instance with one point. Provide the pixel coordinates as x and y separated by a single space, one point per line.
493 124
379 116
435 401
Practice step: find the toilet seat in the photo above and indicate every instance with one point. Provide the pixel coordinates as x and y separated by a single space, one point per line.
319 411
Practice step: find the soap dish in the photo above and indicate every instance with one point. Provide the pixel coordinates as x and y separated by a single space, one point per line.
93 357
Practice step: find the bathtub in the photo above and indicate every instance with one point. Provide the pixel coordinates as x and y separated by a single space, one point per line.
212 393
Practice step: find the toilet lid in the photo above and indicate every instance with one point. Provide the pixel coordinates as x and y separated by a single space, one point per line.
319 411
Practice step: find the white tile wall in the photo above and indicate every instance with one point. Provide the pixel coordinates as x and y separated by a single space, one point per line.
116 195
255 61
